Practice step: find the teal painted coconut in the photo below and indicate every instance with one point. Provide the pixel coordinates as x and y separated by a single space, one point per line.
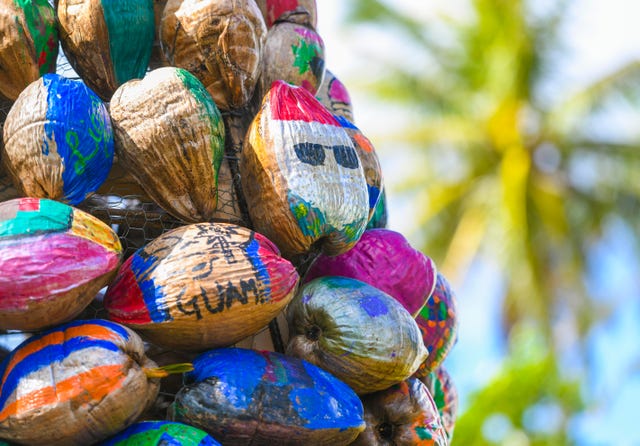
358 333
161 433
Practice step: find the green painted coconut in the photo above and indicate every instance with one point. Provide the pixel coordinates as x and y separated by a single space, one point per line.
358 333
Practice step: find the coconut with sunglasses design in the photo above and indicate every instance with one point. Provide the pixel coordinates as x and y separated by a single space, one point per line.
301 175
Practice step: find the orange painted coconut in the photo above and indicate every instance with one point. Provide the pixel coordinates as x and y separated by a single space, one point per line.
169 135
201 286
107 42
402 415
53 261
354 331
28 44
438 322
75 385
220 42
304 12
301 175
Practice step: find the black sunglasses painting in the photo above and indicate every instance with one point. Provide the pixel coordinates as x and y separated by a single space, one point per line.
313 154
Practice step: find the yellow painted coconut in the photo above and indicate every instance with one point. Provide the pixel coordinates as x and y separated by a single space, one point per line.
107 42
170 137
28 44
219 41
301 175
202 286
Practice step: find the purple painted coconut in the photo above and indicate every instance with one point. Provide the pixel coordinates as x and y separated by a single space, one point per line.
384 259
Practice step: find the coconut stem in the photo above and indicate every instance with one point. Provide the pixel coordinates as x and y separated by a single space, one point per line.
164 371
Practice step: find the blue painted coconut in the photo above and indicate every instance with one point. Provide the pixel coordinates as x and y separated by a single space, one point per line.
245 397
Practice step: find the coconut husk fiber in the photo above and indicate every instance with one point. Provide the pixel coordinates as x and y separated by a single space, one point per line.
220 42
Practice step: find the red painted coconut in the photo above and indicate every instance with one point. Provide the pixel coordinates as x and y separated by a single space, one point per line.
299 11
202 286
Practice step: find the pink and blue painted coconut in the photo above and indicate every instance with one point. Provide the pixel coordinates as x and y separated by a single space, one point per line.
58 140
384 259
74 385
438 322
202 286
161 433
53 261
303 180
356 332
245 397
334 95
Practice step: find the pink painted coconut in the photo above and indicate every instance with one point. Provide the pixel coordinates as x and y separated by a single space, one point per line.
384 259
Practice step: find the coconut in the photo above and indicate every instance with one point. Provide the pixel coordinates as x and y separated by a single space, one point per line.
386 260
202 286
54 261
293 53
334 95
161 433
438 322
244 397
74 385
301 175
356 332
170 137
58 140
402 415
304 12
107 43
445 395
28 44
219 41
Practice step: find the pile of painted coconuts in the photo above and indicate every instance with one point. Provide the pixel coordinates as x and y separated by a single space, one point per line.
305 322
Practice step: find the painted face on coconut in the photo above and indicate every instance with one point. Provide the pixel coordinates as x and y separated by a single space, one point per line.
298 160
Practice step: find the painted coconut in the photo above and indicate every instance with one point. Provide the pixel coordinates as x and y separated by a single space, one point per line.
53 261
354 331
334 95
202 286
220 42
301 175
402 415
28 44
74 385
445 395
438 322
293 53
58 140
379 217
161 433
170 137
384 259
245 397
107 42
370 163
304 12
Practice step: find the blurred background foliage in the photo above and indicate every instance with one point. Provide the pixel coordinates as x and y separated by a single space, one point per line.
510 169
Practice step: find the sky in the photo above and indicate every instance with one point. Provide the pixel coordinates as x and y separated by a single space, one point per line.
601 35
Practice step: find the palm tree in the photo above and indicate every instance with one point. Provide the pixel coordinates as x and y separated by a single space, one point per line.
506 166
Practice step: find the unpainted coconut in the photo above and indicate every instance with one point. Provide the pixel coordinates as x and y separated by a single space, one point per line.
220 42
28 44
169 135
107 42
